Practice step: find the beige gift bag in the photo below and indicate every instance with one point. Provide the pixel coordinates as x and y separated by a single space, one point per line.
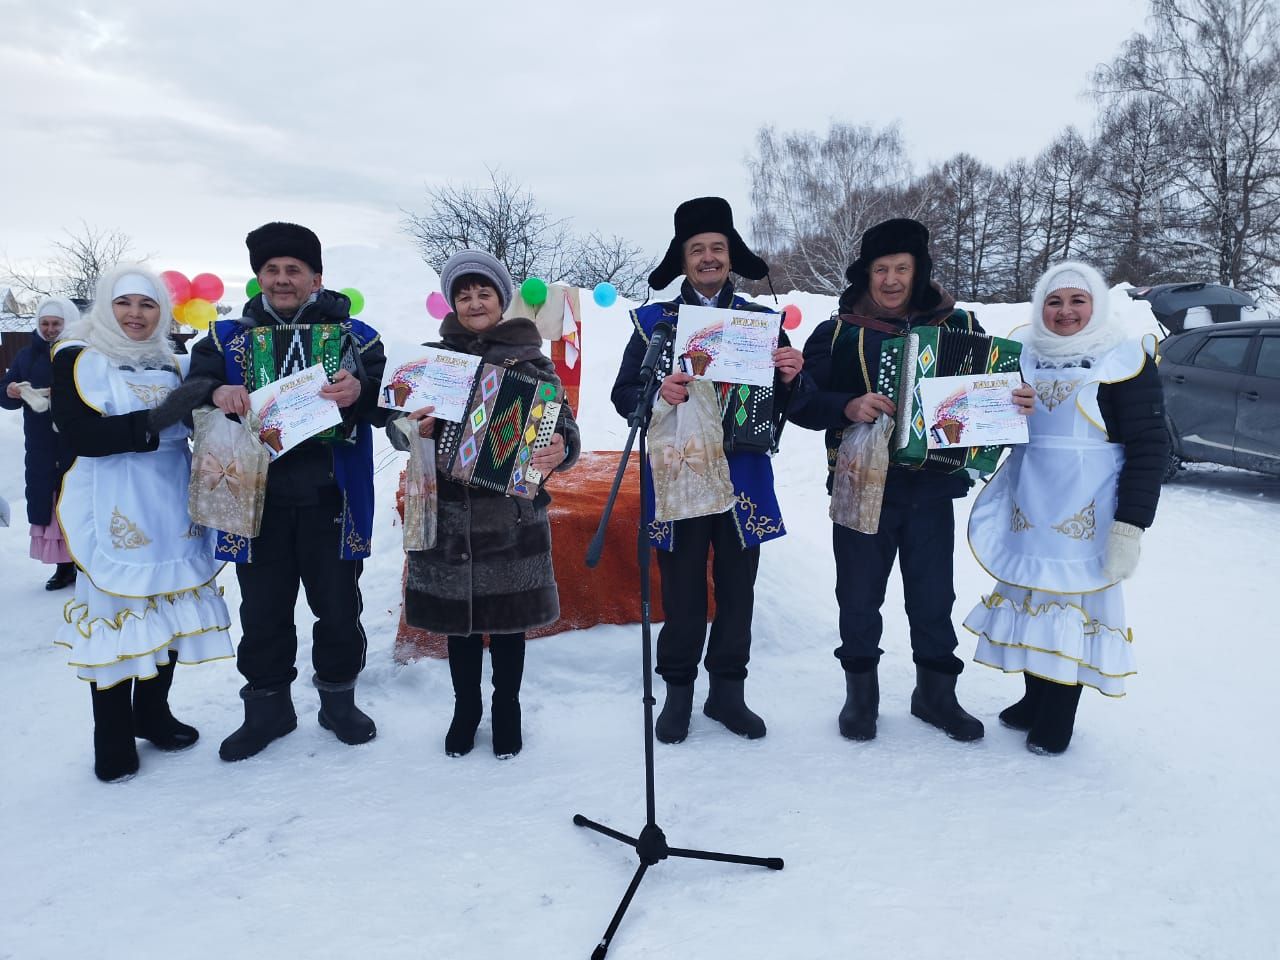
862 464
420 492
686 455
228 473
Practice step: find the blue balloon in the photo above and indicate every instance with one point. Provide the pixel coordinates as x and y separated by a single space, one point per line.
605 294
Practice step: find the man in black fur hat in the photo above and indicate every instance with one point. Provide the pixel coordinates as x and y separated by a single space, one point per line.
317 521
890 290
705 249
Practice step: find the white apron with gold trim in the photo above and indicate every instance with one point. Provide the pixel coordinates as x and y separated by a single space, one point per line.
1040 528
145 583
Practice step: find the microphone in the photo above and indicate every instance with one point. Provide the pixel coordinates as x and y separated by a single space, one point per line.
658 340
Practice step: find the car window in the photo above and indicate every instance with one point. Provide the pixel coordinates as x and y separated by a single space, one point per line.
1178 348
1269 358
1223 353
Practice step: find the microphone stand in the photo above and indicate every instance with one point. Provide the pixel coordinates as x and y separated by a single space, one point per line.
651 845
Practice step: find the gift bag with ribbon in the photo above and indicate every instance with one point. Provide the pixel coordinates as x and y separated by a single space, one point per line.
420 493
686 456
228 473
862 466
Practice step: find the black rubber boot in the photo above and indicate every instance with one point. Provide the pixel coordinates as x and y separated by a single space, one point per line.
152 719
861 705
466 659
64 575
339 713
507 654
934 702
672 725
1055 719
1021 715
268 715
115 754
725 703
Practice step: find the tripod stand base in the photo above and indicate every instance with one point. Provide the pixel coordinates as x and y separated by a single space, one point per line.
651 847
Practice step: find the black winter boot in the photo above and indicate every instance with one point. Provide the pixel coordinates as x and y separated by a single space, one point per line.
268 715
64 575
339 713
1021 715
725 703
466 660
506 650
115 754
861 705
1055 720
152 719
934 702
672 725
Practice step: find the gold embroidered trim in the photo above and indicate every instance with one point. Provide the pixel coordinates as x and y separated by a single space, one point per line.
151 394
1092 625
1078 683
125 534
1081 526
1053 393
1019 523
117 622
760 526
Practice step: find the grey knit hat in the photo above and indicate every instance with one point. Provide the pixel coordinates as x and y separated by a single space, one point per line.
477 261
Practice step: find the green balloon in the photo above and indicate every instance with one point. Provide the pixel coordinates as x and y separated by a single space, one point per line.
534 291
252 288
356 298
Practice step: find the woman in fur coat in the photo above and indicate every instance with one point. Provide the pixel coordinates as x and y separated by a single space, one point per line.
1060 523
26 386
145 595
490 571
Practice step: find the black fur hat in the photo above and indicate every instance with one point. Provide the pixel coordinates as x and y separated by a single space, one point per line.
900 235
283 240
706 215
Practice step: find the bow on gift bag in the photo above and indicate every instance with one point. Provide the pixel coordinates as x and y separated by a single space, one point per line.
862 466
420 492
228 473
686 456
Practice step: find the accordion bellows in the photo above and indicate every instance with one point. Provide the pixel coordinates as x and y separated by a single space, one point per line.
511 414
938 352
280 350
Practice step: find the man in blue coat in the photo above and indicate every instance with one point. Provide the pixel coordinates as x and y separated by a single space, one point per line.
705 248
317 520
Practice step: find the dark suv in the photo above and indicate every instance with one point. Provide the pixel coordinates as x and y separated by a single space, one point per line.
1222 395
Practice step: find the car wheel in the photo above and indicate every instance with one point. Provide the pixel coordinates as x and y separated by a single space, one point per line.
1172 467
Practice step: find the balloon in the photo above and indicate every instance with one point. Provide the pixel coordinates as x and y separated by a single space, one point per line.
253 287
791 317
437 306
605 294
206 286
356 298
179 286
534 291
199 313
180 314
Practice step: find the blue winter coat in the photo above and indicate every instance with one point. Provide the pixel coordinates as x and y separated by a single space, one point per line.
48 455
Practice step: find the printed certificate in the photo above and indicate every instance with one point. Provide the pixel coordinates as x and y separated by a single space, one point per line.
291 410
731 346
428 376
975 411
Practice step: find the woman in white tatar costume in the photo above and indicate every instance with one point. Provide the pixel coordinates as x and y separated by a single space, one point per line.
1059 524
145 596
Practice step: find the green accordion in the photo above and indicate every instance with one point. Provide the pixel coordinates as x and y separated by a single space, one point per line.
281 350
938 352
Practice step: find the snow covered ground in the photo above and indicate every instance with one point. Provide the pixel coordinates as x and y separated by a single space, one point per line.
1154 836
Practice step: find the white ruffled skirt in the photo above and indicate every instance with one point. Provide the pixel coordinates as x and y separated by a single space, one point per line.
113 639
1065 638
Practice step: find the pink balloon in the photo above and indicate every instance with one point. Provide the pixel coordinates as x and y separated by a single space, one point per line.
206 286
790 317
179 286
437 306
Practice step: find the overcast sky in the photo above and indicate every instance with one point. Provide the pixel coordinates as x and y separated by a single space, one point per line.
185 125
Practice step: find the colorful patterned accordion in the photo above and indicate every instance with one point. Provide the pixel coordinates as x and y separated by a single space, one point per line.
937 352
278 351
512 414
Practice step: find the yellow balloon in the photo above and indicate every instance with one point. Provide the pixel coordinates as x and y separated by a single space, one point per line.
198 313
180 313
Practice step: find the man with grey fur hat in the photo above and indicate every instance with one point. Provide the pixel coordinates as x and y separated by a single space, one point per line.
317 521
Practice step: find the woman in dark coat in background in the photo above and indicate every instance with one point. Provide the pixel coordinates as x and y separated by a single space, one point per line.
26 385
490 571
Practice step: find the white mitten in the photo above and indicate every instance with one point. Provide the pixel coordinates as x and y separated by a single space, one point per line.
1123 547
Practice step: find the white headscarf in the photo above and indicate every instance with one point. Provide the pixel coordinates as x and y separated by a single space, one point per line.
1100 334
100 329
57 307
